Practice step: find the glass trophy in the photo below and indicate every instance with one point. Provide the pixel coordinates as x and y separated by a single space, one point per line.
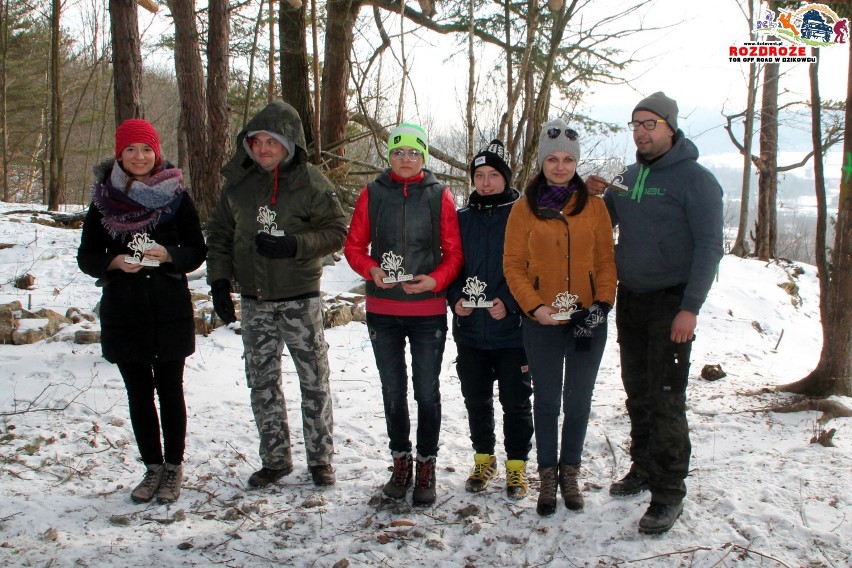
565 304
475 290
140 244
392 265
613 171
266 217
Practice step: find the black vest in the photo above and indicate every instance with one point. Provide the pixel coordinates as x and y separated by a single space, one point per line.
405 221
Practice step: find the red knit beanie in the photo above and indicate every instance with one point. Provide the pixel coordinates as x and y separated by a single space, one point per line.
135 130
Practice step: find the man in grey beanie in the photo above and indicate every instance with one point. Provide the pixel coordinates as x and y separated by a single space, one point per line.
669 248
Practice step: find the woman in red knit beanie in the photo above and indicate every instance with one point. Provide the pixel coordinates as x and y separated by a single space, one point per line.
140 238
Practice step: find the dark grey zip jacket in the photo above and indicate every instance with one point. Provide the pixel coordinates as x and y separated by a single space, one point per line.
670 225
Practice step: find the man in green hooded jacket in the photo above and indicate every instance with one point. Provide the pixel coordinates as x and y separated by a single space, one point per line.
276 217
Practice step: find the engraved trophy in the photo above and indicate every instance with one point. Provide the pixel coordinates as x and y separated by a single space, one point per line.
140 244
392 265
266 217
565 304
613 171
475 290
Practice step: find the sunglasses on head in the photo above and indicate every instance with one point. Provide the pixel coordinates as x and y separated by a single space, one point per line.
570 133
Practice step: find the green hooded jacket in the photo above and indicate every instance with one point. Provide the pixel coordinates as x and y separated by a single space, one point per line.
304 203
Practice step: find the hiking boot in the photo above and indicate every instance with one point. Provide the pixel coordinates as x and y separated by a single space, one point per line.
546 505
516 483
659 518
322 474
633 483
569 487
484 468
424 482
172 482
146 490
401 476
266 475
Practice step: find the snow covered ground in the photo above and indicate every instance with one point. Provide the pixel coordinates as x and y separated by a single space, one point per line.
760 494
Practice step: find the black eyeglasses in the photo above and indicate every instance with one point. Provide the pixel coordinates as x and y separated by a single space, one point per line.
570 133
649 124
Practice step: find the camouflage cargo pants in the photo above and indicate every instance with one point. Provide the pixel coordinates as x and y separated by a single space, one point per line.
267 328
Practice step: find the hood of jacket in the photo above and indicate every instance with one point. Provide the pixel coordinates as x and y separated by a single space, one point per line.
277 117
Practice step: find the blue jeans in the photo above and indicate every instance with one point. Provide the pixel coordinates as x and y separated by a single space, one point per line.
552 351
426 338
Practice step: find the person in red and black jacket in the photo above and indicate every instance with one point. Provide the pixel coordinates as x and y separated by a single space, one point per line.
407 214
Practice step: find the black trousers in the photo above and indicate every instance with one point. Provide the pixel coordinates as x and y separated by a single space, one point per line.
478 369
166 379
655 373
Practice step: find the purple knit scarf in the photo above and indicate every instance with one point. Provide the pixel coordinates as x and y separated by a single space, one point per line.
554 196
143 206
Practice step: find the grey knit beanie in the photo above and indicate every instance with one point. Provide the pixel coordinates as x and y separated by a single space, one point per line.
662 106
557 136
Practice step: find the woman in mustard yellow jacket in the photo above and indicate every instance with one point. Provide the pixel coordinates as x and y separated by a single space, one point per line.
559 263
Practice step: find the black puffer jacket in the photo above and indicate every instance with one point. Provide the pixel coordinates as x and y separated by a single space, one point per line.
483 232
147 316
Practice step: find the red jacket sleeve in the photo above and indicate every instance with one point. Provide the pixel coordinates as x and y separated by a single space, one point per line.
452 257
357 246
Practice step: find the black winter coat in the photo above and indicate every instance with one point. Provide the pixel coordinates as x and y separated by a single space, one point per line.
146 317
483 232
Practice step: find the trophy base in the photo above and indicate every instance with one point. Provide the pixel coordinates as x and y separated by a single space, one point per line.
143 262
561 316
274 232
482 304
395 279
620 188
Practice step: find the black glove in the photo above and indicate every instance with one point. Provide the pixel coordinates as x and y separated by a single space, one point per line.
578 317
597 314
275 247
222 302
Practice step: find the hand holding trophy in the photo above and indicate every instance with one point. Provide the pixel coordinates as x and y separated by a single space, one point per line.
392 264
475 290
140 244
565 304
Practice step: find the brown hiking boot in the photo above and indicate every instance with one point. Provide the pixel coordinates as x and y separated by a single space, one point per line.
172 482
266 475
401 476
546 505
569 488
322 474
147 488
424 482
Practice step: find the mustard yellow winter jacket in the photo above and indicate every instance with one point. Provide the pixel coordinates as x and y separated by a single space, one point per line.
543 257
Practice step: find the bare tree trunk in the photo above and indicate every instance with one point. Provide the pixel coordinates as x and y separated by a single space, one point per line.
315 126
833 374
819 186
767 184
126 60
293 67
219 141
334 113
190 81
542 101
740 247
55 187
270 95
471 93
401 101
4 133
252 57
